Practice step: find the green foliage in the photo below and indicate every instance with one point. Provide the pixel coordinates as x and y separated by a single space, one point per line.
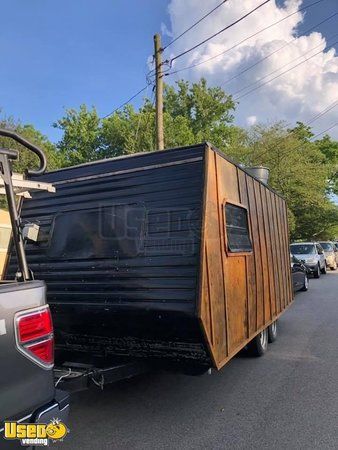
300 171
192 113
329 149
26 158
81 136
206 111
128 131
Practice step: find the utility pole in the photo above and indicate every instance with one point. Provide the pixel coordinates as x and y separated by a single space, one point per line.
159 92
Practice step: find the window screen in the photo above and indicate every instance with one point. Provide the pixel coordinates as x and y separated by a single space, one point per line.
104 232
237 229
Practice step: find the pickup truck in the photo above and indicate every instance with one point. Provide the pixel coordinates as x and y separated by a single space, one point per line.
27 391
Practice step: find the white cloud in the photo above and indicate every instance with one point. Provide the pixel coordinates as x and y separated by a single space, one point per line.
299 94
251 120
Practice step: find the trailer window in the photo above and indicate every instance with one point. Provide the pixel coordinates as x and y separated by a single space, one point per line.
104 232
237 229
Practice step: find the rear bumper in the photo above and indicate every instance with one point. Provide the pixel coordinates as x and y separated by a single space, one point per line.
312 268
57 409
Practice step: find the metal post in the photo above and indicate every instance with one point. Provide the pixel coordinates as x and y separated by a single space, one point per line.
15 220
159 93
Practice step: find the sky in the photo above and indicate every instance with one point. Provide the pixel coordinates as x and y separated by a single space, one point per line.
58 55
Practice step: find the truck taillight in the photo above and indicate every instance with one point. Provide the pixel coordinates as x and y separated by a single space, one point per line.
34 335
35 325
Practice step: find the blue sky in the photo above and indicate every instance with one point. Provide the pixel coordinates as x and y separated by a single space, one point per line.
57 55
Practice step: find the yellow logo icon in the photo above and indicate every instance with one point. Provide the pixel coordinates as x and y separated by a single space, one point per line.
56 430
36 434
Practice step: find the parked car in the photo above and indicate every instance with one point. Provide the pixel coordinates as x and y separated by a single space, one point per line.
312 255
300 280
335 244
330 254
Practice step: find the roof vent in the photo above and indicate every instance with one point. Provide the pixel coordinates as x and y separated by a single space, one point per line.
259 172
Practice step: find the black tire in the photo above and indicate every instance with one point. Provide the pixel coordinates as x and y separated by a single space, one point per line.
259 344
317 273
334 267
306 284
272 332
324 270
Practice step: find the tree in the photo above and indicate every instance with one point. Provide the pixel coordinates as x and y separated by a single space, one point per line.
299 171
329 149
26 158
206 111
81 140
192 113
129 131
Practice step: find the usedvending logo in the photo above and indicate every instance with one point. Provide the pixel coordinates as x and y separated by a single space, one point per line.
37 434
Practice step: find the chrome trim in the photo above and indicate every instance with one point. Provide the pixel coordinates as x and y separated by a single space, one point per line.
23 419
125 171
55 405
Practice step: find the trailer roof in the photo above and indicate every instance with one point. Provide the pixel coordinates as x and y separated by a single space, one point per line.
132 155
143 154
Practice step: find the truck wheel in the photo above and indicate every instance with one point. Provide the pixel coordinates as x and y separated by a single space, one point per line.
324 270
306 284
316 274
272 332
259 344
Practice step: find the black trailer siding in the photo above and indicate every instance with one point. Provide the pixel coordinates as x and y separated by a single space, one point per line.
122 303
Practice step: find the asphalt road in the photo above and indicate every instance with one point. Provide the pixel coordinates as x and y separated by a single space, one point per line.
288 399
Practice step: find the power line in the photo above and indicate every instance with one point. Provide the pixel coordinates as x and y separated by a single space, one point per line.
277 50
283 73
194 25
219 32
321 114
325 131
128 101
325 111
243 40
285 65
316 117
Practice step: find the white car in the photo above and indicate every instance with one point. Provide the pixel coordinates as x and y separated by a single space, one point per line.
312 255
330 254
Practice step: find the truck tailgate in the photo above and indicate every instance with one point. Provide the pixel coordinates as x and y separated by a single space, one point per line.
24 385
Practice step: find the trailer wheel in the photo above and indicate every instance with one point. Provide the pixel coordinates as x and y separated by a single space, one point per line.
272 332
259 344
